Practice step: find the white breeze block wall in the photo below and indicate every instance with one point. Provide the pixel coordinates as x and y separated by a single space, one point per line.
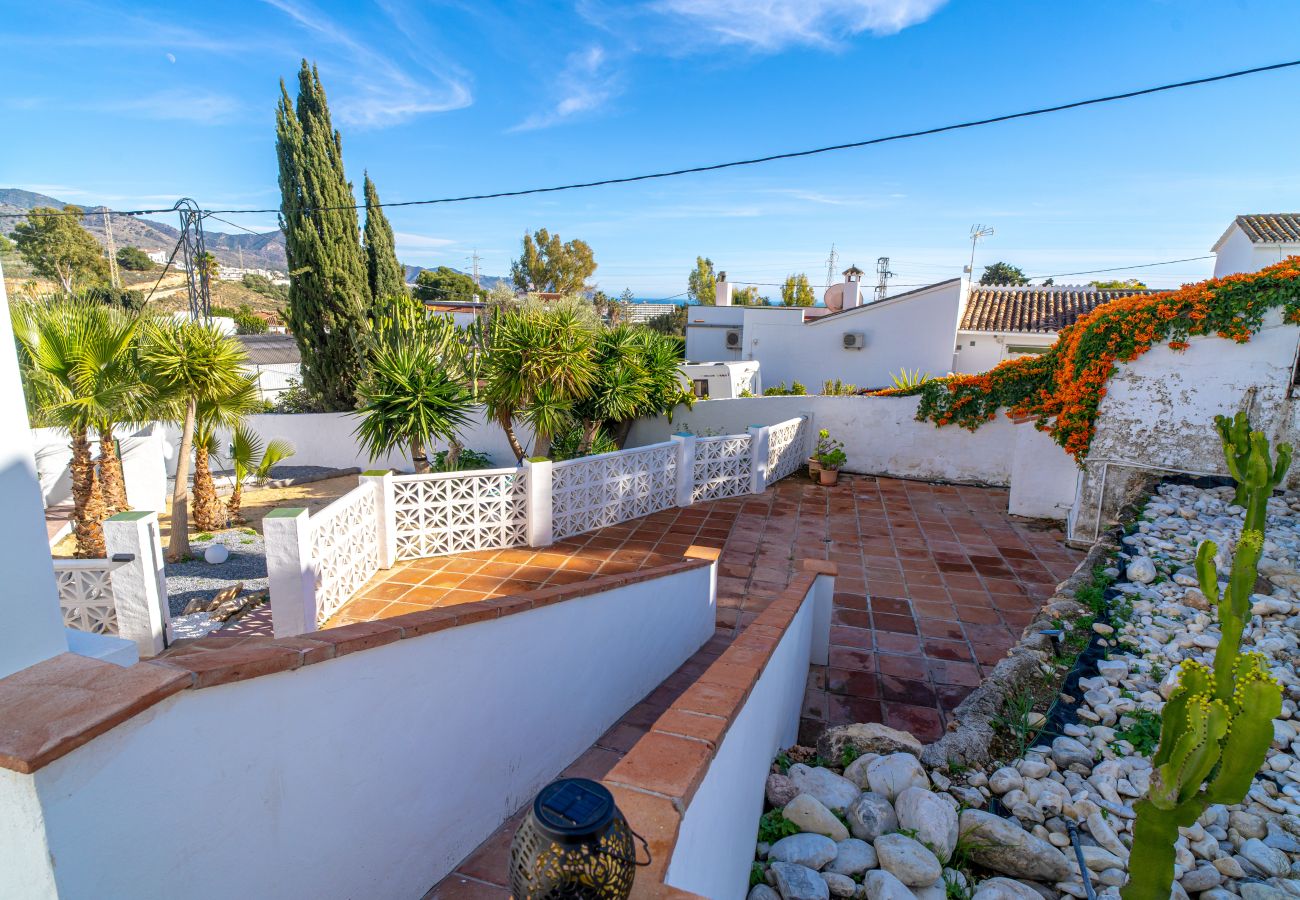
881 435
715 845
371 775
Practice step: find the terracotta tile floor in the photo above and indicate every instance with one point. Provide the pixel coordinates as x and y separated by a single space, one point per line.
934 583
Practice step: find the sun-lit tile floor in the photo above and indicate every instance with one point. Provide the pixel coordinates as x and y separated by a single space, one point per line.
935 581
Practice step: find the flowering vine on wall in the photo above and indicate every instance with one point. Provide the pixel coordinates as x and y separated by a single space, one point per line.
1063 388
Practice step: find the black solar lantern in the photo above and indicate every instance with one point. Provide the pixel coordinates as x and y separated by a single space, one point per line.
574 843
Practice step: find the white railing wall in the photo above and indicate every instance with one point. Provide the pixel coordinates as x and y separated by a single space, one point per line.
86 594
345 547
595 491
316 563
455 512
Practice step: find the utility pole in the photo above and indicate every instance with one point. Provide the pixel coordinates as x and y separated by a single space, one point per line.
977 232
474 263
113 277
830 266
882 278
194 254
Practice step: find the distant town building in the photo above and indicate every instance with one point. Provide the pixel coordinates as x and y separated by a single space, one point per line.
640 313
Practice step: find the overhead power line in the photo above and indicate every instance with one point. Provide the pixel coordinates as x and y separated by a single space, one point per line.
1166 262
795 154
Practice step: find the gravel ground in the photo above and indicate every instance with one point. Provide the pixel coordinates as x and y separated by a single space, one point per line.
198 578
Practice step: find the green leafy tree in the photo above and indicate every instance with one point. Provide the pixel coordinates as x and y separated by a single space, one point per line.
1003 273
1119 284
539 363
121 298
328 291
248 322
747 296
702 283
188 363
549 265
796 291
56 246
80 372
266 287
384 273
134 259
444 285
670 323
6 245
637 376
251 457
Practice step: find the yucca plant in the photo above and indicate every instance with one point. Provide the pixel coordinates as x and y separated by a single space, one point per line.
908 379
188 363
251 457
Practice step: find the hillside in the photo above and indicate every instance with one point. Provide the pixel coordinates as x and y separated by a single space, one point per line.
488 282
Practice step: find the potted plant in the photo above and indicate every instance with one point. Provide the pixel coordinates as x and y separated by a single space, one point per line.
824 444
830 456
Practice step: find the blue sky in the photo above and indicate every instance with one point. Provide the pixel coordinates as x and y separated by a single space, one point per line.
135 104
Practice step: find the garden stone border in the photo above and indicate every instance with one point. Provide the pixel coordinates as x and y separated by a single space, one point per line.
971 733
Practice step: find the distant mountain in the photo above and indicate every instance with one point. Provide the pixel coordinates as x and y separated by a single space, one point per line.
488 282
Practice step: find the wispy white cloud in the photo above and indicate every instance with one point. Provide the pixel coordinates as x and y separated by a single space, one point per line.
381 92
179 104
585 84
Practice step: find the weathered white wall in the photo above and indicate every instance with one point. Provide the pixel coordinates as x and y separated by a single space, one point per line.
1158 412
371 775
1043 476
31 626
715 844
913 331
1239 254
881 435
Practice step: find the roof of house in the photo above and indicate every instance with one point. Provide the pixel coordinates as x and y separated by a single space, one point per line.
873 303
271 349
1040 310
1271 228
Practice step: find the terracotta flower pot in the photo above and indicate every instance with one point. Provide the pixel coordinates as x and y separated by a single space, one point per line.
814 467
828 476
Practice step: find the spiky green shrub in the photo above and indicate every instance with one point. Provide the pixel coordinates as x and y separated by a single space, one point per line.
1217 724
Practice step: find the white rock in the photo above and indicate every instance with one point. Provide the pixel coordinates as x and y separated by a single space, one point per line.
890 775
839 885
810 814
1005 779
811 850
1142 570
870 816
216 554
908 860
835 792
799 882
933 820
1004 889
853 857
881 885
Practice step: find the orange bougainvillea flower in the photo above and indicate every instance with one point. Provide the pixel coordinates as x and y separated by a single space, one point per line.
1062 389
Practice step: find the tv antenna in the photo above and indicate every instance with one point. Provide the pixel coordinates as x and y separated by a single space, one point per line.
831 262
977 232
882 278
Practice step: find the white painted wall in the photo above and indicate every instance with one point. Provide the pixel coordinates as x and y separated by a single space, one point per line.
979 351
881 435
31 626
1043 476
371 775
725 379
145 459
1237 253
715 845
706 332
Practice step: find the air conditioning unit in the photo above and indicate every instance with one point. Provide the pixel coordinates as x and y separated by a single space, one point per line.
733 338
854 340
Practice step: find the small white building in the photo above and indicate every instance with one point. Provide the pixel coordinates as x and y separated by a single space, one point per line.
723 380
1253 242
1006 321
640 313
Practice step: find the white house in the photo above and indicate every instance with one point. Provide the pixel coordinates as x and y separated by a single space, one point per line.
1255 241
723 380
1004 322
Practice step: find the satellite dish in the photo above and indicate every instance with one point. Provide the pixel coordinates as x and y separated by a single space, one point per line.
834 297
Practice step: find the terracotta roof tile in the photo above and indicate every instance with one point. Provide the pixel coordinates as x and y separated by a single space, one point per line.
1271 228
1040 310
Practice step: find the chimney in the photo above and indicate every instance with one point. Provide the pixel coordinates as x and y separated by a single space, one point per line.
722 290
852 287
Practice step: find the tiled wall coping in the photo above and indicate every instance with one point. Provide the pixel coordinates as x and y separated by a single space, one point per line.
50 709
655 782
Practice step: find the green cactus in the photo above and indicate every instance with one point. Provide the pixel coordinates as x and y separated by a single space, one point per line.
1216 727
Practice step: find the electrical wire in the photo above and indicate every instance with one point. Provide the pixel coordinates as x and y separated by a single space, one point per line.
163 273
795 154
1166 262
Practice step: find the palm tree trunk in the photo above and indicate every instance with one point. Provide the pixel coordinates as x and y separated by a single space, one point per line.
508 426
110 473
541 444
234 502
89 510
209 513
622 431
453 454
178 544
589 431
419 458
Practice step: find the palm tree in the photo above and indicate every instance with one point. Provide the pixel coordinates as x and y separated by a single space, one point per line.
250 457
224 410
75 356
408 398
638 376
188 362
539 363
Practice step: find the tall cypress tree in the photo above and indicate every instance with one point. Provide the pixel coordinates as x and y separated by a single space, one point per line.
385 273
328 292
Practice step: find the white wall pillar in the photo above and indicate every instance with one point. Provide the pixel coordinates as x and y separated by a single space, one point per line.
291 572
140 584
722 292
759 441
537 504
685 467
31 626
852 294
386 512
